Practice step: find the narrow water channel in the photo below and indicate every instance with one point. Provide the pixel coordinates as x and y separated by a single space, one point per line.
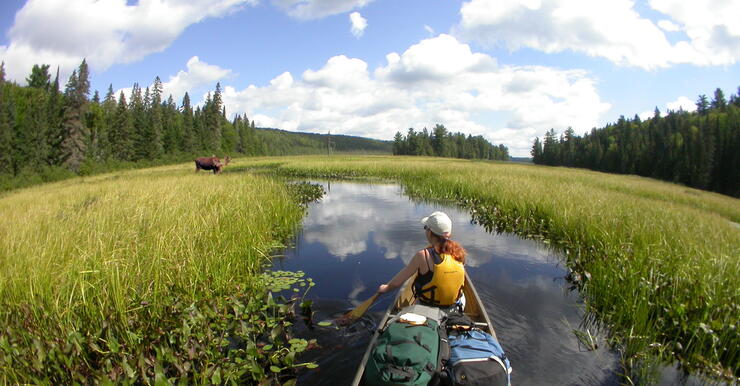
359 235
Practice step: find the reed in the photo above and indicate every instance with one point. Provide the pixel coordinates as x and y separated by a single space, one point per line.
657 262
132 276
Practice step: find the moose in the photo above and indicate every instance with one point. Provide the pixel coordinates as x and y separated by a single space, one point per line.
211 163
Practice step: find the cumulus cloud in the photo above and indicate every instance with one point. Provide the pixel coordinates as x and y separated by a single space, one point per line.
62 33
437 80
712 28
682 103
359 24
610 29
197 76
316 9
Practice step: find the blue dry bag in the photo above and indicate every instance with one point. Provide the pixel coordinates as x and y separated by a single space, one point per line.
476 358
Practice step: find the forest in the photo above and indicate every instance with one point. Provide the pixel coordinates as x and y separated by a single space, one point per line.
700 149
442 143
49 132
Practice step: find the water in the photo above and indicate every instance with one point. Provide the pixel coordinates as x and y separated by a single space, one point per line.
360 235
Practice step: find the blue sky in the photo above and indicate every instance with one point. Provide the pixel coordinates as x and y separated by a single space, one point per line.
508 70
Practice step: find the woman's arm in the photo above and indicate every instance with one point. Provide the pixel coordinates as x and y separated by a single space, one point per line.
404 274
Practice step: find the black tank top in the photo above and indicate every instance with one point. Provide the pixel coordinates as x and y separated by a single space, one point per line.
422 279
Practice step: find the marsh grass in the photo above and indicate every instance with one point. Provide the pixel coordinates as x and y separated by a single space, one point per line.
141 276
658 263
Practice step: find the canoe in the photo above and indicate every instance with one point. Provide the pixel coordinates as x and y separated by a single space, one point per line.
473 308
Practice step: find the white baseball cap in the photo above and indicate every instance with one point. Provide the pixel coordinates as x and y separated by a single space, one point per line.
439 223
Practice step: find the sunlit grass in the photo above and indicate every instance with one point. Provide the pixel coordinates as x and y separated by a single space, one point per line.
663 259
110 255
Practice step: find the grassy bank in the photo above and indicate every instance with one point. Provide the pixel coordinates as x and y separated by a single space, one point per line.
143 276
658 263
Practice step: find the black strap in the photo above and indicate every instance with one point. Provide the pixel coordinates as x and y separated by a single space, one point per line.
436 258
429 300
405 372
429 252
417 338
402 341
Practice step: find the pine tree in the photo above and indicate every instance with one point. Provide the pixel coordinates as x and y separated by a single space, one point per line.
30 128
213 120
97 127
399 144
439 140
137 111
6 125
40 77
702 105
75 132
109 106
171 126
55 117
736 100
122 132
536 151
189 136
150 134
549 149
719 102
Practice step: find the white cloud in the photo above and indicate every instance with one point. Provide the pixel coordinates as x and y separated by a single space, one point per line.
316 9
711 26
682 103
438 80
359 24
62 33
645 115
429 30
198 74
611 29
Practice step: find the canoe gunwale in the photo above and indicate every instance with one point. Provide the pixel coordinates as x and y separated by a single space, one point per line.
473 308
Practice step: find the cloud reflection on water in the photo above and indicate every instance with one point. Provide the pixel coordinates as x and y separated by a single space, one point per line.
353 215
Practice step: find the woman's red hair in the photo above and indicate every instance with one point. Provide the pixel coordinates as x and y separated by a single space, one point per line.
451 247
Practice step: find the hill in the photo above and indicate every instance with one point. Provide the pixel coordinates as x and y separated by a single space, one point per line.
282 142
526 160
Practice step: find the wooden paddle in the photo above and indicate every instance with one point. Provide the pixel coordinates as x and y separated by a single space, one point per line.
361 309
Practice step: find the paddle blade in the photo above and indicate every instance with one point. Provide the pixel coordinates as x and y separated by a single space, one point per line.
360 310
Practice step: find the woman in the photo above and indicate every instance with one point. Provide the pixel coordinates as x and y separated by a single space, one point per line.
439 267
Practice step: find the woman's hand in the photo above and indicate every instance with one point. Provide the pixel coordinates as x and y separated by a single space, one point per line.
383 288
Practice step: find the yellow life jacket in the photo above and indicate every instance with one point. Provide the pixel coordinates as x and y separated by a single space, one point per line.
442 286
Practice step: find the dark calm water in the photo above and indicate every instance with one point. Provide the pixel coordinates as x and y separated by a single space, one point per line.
359 235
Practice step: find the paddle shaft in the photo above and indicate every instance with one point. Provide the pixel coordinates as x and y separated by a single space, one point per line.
362 308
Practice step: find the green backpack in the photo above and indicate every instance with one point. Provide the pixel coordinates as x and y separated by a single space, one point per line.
407 354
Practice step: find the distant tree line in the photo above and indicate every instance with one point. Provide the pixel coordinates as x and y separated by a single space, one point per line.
442 143
283 142
48 132
700 149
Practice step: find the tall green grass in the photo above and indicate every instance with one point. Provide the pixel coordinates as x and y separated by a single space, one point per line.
658 263
124 276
